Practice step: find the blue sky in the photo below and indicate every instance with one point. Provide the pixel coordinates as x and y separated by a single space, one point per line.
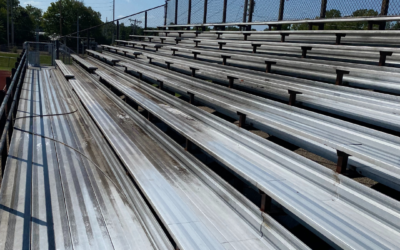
122 7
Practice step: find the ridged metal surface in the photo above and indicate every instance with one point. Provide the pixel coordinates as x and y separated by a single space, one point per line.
345 212
196 217
51 196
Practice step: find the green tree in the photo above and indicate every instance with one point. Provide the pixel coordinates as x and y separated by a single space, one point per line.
65 13
359 25
35 15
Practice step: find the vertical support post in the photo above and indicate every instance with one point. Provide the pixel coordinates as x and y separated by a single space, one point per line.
145 20
242 119
77 36
165 12
205 11
339 76
57 49
384 12
191 98
88 42
188 144
224 11
341 162
266 202
323 13
246 2
117 30
189 11
251 10
176 11
292 97
281 10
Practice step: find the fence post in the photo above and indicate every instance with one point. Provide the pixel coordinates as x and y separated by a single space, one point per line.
205 11
189 11
281 9
323 13
117 29
251 10
224 13
176 11
384 12
165 12
57 49
145 20
88 42
246 2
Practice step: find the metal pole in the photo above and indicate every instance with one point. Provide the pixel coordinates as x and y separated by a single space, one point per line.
165 12
205 11
189 11
113 31
384 12
176 11
145 20
77 37
224 11
57 49
385 7
323 13
87 44
251 10
246 2
12 23
281 9
8 23
117 30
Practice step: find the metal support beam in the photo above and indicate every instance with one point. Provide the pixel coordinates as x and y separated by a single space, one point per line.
117 30
242 119
281 10
339 38
221 44
195 54
145 20
231 81
304 50
188 145
197 42
382 58
176 11
269 65
224 11
292 97
246 2
193 71
224 59
160 84
168 65
173 51
205 12
339 76
251 10
266 202
343 158
165 12
191 97
189 11
255 46
323 13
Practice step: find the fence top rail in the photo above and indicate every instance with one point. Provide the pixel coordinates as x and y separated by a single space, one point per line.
310 21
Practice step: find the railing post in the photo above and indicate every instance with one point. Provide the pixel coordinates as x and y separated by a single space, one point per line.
165 12
323 13
88 42
281 10
251 10
205 11
117 30
384 12
246 2
189 11
176 11
145 20
224 11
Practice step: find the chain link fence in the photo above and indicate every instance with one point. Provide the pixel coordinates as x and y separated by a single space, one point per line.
268 10
136 24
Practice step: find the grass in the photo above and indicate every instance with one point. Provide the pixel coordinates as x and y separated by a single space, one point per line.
7 60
